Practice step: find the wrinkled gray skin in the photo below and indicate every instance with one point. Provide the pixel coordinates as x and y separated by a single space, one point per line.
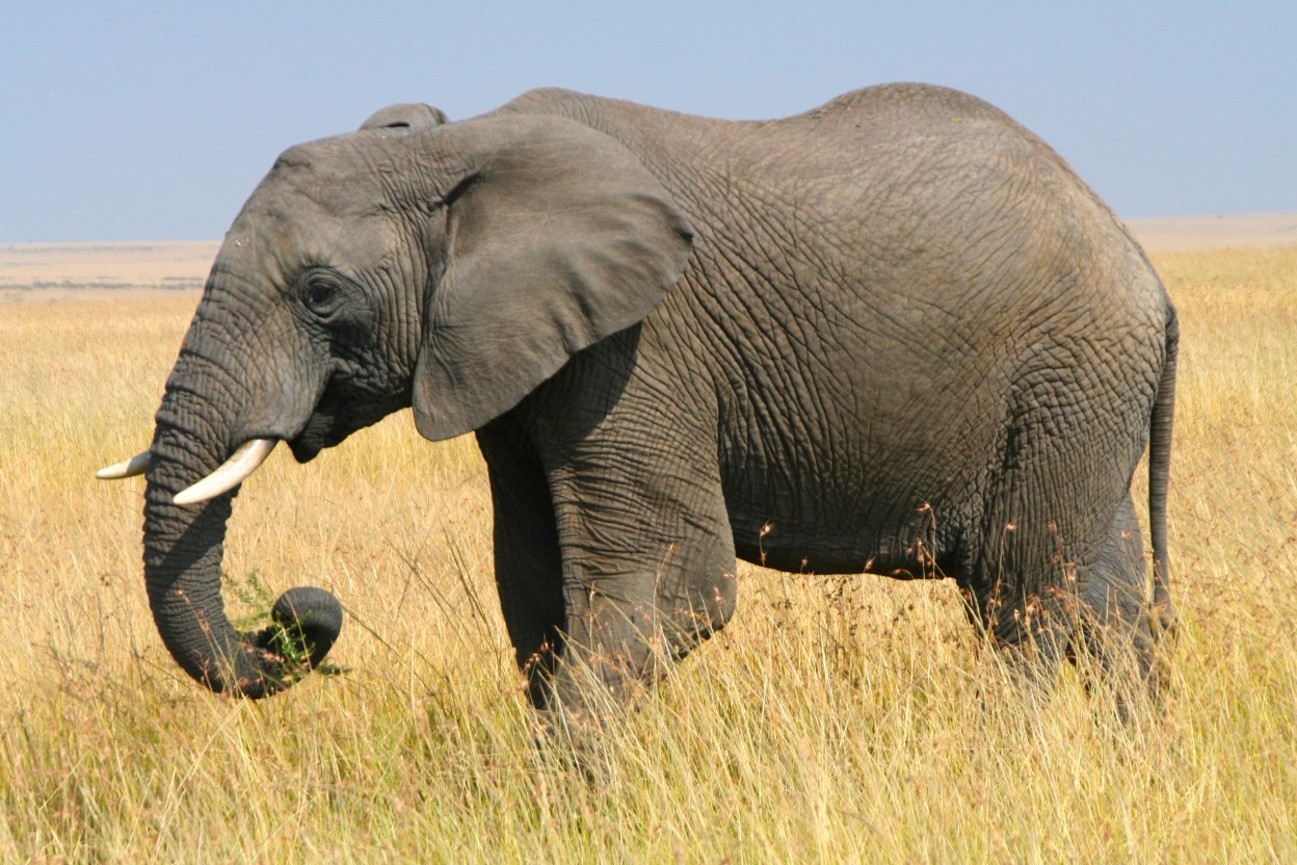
894 335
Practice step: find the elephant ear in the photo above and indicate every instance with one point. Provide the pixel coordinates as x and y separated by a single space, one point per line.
414 115
557 237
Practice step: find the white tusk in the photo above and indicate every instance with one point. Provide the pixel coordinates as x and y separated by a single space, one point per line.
136 465
234 471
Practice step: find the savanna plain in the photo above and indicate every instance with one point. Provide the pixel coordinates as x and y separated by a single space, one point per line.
835 720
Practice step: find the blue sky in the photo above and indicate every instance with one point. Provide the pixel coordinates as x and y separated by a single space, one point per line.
129 121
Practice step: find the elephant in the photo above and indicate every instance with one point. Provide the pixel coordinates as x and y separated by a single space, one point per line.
894 335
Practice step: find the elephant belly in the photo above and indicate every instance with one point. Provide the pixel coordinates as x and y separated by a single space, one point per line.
872 490
907 537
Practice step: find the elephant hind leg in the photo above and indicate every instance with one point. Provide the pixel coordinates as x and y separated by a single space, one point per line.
1096 614
1116 631
1031 632
1020 593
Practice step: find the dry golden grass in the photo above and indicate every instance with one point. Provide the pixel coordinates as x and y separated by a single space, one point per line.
835 720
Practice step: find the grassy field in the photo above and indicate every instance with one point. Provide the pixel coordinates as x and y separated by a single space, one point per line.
834 720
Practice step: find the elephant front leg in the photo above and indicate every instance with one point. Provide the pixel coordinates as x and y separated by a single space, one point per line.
626 629
648 573
528 565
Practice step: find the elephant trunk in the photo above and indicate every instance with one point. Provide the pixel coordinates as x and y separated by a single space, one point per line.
183 548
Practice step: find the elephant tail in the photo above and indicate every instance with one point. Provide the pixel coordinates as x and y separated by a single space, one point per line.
1159 472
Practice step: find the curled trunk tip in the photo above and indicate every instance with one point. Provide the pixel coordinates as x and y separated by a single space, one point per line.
305 623
308 620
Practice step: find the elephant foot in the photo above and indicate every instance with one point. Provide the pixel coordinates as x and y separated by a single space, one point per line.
575 739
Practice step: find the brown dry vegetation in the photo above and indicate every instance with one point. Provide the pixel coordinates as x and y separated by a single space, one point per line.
835 720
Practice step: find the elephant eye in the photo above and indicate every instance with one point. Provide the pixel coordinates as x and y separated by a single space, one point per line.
320 296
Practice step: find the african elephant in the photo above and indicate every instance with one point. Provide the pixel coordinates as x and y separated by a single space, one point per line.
893 335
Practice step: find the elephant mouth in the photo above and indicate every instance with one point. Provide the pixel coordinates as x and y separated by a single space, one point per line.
321 431
341 411
304 451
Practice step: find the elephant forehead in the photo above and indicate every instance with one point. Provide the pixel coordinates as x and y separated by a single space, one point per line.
281 235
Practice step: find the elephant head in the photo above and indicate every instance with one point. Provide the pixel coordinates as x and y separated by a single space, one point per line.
451 267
